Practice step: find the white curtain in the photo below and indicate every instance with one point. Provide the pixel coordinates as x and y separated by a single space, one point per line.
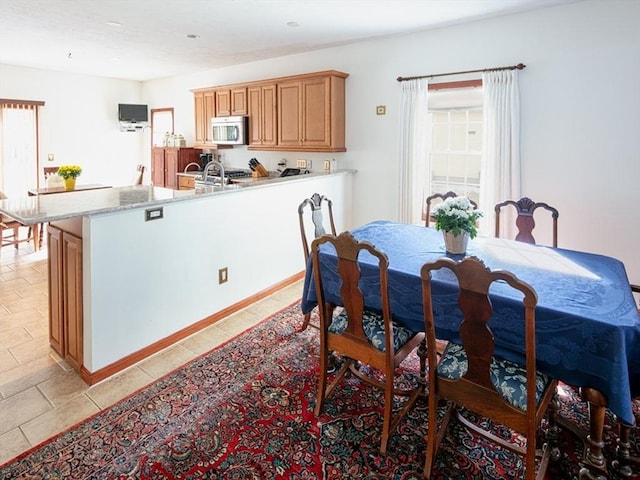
414 158
18 136
500 177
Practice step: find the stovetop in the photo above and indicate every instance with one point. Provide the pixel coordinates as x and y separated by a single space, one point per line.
236 173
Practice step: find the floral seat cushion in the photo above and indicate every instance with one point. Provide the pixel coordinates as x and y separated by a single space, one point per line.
509 378
374 329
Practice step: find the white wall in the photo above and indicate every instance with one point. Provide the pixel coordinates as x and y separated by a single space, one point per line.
79 121
580 111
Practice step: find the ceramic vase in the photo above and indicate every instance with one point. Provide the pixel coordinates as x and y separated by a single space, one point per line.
456 244
69 183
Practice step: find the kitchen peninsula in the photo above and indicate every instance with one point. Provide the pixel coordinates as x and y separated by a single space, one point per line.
135 269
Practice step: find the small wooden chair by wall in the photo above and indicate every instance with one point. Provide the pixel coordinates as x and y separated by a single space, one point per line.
137 179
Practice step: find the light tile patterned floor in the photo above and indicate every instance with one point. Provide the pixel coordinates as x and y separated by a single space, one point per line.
40 395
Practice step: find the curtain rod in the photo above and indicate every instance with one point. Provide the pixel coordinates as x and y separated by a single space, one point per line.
519 66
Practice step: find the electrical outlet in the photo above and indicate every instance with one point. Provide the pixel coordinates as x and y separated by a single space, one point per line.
308 165
223 275
327 165
302 163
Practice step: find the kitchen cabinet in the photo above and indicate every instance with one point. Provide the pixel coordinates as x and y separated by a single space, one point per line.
166 162
311 114
262 115
205 109
65 291
54 247
186 182
231 101
299 113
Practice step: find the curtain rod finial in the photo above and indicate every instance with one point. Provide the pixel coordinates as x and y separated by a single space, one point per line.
520 66
399 79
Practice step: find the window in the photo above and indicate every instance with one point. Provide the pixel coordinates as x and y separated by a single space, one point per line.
455 121
18 146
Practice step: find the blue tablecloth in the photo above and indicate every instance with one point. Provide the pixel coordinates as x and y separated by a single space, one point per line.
587 324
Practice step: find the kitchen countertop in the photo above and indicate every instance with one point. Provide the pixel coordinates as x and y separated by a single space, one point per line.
30 210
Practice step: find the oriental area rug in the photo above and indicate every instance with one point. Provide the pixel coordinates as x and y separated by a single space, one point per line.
245 411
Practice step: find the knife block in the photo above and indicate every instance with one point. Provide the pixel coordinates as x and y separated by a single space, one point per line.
259 171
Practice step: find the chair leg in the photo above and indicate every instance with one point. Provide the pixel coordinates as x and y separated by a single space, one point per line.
322 381
36 237
305 323
16 236
435 434
388 414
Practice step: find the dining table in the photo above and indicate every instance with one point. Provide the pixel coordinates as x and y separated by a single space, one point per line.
587 322
51 190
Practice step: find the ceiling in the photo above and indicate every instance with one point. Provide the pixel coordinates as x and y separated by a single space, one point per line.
148 39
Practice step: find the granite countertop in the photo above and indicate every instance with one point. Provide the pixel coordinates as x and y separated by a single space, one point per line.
46 208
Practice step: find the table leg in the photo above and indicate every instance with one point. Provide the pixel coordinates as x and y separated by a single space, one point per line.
623 462
594 464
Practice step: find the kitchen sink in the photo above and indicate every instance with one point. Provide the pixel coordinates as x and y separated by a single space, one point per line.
211 187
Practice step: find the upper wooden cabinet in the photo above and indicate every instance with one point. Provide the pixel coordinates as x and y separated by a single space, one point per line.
205 109
231 101
305 112
262 116
297 113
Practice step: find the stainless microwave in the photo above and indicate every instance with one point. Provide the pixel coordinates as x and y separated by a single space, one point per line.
229 130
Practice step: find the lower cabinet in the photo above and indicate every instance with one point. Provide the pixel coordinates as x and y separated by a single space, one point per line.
186 182
166 162
65 294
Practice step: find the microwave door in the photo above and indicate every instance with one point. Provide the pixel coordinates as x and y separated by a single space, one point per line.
234 134
216 133
220 133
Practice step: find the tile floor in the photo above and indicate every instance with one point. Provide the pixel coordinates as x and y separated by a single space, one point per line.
40 395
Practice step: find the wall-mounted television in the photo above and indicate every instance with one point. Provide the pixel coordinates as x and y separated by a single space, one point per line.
133 113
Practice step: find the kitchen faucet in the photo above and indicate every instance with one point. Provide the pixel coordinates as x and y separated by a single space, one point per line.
211 165
190 164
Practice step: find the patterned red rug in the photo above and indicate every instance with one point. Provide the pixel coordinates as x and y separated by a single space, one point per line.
244 411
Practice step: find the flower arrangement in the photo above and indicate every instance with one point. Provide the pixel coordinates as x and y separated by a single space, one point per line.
69 171
456 215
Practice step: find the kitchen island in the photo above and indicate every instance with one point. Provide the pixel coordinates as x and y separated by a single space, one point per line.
135 269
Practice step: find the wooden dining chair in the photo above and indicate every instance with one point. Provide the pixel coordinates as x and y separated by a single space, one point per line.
137 179
468 374
310 212
437 198
362 334
624 461
525 208
10 224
